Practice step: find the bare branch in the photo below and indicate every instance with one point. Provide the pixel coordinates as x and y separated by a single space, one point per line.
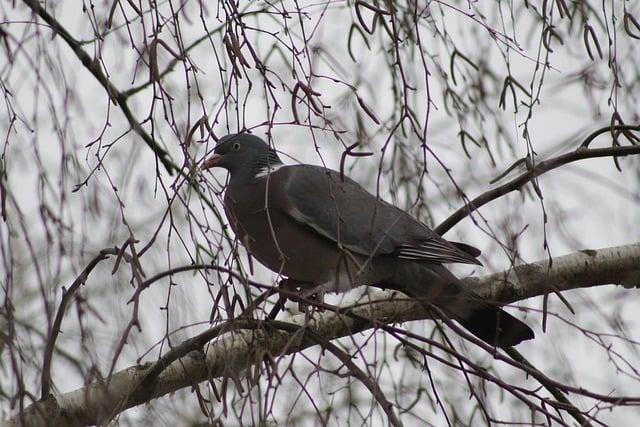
543 167
94 68
233 346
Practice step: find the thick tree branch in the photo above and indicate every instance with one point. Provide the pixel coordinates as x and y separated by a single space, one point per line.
241 345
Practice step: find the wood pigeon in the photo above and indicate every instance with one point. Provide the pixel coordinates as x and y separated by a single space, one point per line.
326 233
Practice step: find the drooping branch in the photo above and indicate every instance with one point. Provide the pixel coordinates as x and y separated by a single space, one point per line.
539 168
118 97
242 343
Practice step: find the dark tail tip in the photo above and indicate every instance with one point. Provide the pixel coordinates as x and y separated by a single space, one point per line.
496 327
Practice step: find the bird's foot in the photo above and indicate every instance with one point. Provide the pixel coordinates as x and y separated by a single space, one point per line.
313 296
304 293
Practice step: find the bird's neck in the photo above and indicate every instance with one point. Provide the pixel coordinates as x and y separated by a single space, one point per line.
266 170
266 165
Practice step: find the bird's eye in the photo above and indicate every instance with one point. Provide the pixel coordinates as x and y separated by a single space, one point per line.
236 146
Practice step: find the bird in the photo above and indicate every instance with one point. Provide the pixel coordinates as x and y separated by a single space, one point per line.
324 232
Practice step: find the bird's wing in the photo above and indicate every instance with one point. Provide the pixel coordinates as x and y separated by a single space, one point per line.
341 210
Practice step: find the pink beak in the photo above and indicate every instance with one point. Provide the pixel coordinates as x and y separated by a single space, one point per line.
211 162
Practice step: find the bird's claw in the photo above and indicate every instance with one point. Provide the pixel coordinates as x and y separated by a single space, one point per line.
301 292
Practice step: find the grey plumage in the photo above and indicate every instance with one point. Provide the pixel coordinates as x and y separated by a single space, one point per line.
328 233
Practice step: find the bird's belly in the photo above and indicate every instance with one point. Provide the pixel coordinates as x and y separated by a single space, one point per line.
298 252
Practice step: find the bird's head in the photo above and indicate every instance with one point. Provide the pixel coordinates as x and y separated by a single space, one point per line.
243 155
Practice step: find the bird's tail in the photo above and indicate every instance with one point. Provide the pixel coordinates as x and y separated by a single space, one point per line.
494 325
435 285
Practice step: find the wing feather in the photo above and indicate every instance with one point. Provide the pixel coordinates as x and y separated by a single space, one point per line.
344 212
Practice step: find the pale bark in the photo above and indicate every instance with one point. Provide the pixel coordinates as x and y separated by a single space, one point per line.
231 353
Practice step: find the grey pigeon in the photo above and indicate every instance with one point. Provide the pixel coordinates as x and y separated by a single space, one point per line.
326 233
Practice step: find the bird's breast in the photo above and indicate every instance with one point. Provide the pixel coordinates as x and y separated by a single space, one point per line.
261 224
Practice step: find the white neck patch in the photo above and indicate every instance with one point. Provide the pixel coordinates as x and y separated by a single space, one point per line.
268 170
